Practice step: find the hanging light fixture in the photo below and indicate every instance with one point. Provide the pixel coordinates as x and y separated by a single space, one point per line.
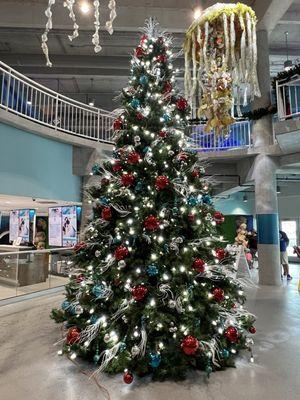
278 190
91 101
245 198
85 7
288 63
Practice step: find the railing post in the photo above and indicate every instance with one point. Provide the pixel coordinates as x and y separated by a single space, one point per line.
98 125
8 88
56 112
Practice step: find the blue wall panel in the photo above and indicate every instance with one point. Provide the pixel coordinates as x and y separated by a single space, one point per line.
33 166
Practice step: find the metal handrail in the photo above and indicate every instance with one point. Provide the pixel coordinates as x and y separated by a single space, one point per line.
54 250
27 98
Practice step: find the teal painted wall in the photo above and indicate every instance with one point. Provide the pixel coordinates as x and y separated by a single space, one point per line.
33 166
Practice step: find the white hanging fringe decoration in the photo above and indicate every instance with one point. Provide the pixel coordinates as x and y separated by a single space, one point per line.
48 28
122 210
69 4
121 311
107 356
143 343
95 38
213 347
221 61
112 16
90 332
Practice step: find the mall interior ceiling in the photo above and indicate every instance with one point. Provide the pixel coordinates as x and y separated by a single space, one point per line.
81 74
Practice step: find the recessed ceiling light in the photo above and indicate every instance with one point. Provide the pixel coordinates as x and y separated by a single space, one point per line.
7 202
85 7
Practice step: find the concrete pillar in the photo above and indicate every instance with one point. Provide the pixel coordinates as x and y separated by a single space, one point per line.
264 173
267 220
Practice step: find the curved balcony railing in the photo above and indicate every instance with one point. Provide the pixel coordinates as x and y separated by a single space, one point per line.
22 96
26 98
288 98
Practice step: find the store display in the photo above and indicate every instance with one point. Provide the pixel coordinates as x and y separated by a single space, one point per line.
153 280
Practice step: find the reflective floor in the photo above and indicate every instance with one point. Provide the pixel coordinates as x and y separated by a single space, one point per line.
31 370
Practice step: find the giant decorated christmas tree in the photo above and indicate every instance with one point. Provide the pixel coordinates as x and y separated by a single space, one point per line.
154 290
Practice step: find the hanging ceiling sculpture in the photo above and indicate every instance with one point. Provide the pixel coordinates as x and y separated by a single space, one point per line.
220 63
70 4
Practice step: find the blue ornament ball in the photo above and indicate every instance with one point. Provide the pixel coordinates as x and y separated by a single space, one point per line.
135 103
144 80
208 370
103 201
145 149
98 290
152 270
65 305
155 360
206 198
192 201
138 187
117 241
225 353
122 346
167 117
96 169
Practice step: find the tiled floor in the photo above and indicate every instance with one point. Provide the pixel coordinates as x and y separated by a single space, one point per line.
31 370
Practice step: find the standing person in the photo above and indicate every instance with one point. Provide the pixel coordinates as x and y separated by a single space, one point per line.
284 260
252 243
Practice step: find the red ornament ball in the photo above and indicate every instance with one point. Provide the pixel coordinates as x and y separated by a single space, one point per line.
199 265
127 378
139 292
118 124
189 345
191 217
252 329
139 52
151 223
139 116
162 58
127 180
195 173
73 335
133 158
181 104
106 213
161 182
163 134
218 294
79 246
182 156
121 252
167 88
219 217
117 166
220 254
144 38
231 334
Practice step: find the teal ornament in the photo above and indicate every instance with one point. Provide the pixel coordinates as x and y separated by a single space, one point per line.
96 169
98 290
166 248
155 360
175 211
135 103
225 354
144 80
145 149
103 201
65 305
94 318
167 117
122 347
206 198
192 201
138 187
152 270
96 358
117 241
198 322
208 370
